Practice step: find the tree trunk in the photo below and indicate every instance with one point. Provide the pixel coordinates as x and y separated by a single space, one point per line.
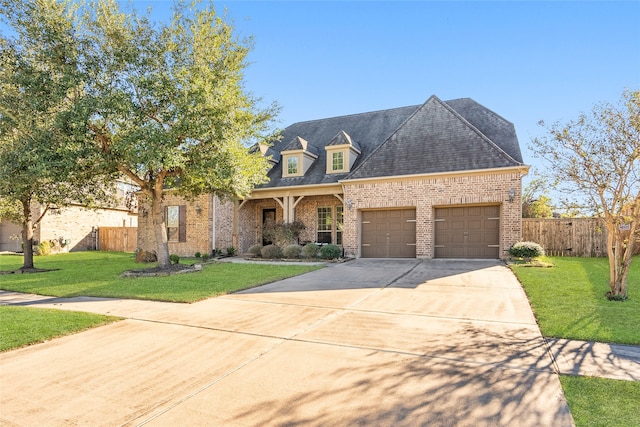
619 255
27 236
160 231
27 239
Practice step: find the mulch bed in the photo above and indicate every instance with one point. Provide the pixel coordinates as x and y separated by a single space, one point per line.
29 270
165 271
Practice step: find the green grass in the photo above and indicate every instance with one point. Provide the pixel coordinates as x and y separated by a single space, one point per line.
569 300
96 274
602 402
22 326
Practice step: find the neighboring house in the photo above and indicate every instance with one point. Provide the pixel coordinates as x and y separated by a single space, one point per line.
72 228
437 180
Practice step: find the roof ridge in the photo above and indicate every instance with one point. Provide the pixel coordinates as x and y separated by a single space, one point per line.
483 107
476 130
356 114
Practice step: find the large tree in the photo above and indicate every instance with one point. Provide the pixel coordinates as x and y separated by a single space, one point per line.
43 159
170 108
597 157
535 200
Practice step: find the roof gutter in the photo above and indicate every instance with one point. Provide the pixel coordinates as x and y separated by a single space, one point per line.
522 169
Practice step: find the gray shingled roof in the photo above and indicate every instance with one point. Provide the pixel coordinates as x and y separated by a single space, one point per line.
434 137
497 129
343 138
299 143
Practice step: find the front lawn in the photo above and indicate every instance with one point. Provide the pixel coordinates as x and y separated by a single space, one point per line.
569 300
97 273
22 326
602 402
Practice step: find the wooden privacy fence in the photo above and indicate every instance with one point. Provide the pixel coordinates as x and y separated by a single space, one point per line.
569 236
118 239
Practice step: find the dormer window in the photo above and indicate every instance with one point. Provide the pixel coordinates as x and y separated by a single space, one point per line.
298 157
272 156
337 161
342 153
292 165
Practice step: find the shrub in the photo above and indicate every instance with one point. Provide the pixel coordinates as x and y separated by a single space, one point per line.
292 251
175 259
330 252
231 251
44 248
526 250
197 254
282 233
310 250
256 249
205 257
271 252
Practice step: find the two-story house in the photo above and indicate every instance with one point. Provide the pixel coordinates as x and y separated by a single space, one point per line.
437 180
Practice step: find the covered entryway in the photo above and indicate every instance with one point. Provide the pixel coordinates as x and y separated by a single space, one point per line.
467 232
389 233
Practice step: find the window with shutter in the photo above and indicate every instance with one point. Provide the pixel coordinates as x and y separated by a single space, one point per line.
176 223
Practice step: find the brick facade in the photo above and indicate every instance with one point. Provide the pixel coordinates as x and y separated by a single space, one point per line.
427 193
250 218
209 225
75 224
240 225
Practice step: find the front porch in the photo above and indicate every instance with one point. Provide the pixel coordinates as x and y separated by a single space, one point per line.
322 215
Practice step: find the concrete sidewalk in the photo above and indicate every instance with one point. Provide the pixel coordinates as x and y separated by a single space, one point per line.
369 342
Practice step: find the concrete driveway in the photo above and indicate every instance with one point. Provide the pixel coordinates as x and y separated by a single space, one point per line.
369 342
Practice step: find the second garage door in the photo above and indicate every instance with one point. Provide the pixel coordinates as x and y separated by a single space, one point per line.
389 234
467 232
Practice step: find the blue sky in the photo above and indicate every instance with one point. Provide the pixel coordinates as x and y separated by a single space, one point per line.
526 61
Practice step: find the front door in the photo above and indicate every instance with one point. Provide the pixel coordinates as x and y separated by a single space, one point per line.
268 215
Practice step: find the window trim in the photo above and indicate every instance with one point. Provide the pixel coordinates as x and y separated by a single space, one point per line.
327 210
180 232
345 160
336 226
339 224
285 166
333 161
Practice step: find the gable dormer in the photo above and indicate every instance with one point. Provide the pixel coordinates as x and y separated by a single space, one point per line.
272 155
298 156
342 153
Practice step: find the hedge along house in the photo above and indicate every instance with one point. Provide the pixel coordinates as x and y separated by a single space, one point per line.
437 180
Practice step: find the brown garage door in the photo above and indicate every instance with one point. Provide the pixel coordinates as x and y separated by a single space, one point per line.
467 232
389 234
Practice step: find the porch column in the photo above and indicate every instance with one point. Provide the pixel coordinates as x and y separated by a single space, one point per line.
288 204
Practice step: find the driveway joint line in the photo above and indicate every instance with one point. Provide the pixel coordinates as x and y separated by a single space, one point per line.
293 338
362 310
